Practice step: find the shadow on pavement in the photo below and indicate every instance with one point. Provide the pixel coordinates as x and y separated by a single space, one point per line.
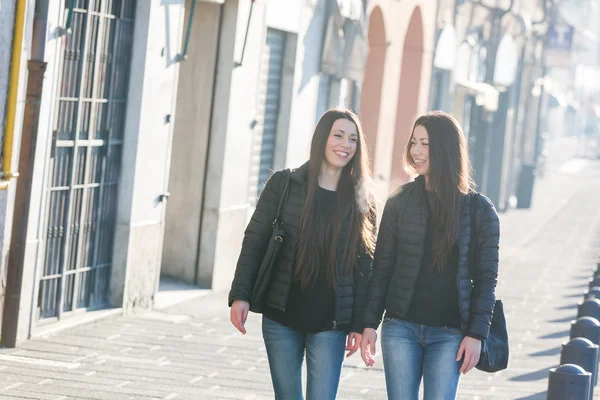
565 319
569 307
546 353
537 396
533 376
556 335
575 296
581 286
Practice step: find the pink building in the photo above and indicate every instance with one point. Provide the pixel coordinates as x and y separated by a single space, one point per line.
396 82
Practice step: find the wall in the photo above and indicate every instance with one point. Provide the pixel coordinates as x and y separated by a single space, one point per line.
306 85
397 17
7 17
190 145
146 154
7 198
226 203
226 208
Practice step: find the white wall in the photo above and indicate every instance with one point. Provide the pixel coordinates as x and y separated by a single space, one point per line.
226 203
146 153
308 67
234 110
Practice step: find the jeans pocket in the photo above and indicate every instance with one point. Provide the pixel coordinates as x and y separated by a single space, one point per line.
387 321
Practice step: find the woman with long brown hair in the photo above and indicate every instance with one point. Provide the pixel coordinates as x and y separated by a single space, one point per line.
438 305
315 294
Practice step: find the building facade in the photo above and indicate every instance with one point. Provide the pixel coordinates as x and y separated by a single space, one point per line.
158 125
487 64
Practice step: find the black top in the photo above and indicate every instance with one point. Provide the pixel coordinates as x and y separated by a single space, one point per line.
435 297
311 309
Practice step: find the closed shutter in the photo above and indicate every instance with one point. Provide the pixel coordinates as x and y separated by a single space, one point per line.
268 109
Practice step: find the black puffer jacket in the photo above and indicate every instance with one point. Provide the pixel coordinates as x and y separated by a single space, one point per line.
400 249
351 291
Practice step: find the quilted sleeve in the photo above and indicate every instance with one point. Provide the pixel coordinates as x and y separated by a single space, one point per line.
362 277
483 297
383 266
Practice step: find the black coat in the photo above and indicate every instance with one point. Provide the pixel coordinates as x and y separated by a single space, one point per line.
399 252
351 291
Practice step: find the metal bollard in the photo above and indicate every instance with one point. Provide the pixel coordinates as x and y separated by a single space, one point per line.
569 382
582 352
589 308
593 293
595 281
586 327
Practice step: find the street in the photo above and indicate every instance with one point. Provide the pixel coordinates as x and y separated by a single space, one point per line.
191 351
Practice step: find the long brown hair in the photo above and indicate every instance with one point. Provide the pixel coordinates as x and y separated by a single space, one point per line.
449 179
353 196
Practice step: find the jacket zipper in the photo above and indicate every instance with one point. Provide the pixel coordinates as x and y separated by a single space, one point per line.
335 311
412 290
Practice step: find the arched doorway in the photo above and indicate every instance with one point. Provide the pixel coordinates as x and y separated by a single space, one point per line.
408 94
370 101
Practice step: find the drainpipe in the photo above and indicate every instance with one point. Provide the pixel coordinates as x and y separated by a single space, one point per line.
13 319
11 109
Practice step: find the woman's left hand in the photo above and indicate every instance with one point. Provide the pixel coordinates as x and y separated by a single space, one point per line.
471 349
353 343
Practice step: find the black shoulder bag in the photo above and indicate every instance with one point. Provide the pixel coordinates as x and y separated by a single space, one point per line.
265 272
494 350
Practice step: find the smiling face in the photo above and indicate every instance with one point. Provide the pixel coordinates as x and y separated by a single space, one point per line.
419 150
341 143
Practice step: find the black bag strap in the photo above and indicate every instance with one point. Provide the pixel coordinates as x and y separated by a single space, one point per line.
283 197
473 244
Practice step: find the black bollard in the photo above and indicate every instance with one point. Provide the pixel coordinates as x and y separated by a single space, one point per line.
586 327
569 382
582 352
595 281
593 293
589 308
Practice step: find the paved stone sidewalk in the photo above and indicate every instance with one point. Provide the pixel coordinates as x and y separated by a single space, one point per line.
191 351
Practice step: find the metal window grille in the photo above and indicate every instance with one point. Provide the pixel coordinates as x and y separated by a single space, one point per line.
85 159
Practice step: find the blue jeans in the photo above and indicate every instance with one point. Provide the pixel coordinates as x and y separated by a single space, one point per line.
412 352
324 358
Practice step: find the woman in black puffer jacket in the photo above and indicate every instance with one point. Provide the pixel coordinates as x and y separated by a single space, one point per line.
437 310
317 290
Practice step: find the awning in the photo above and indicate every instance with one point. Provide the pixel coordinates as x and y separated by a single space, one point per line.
485 94
345 45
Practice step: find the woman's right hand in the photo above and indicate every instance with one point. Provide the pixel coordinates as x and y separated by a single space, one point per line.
238 314
367 346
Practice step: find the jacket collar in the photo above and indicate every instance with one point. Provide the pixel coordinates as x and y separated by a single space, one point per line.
420 182
300 174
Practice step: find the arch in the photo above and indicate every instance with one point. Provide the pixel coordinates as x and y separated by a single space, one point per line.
370 99
408 94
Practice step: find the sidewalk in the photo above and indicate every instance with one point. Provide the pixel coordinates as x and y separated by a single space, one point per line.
190 351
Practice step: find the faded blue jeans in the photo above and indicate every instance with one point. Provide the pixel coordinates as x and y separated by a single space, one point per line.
324 358
412 352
